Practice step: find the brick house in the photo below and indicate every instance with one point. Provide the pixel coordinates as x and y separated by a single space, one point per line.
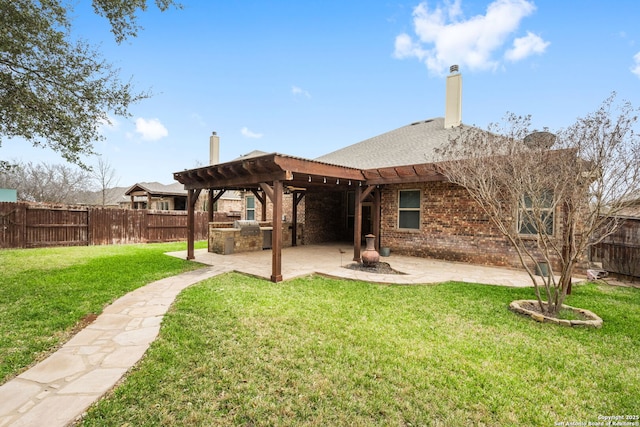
388 185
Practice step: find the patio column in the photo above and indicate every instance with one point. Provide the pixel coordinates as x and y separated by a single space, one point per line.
376 217
263 214
212 200
210 203
361 195
357 224
275 194
192 197
297 198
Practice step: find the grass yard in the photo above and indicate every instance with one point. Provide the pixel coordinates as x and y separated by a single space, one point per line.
44 293
235 350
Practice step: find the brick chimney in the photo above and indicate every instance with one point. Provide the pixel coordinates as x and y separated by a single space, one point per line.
453 102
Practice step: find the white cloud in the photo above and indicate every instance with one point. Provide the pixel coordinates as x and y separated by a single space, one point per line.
444 37
526 46
247 133
406 48
636 66
297 91
151 129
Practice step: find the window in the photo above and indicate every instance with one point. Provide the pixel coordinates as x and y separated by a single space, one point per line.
409 209
250 207
527 216
162 205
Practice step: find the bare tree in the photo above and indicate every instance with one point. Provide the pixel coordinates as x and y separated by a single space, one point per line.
551 196
105 176
48 183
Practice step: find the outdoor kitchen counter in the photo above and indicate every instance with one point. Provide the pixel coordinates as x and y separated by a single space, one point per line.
224 239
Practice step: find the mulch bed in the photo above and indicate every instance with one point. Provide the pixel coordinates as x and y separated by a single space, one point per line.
377 268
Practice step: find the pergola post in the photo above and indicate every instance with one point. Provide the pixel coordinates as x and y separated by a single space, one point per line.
210 203
276 275
357 225
376 217
212 200
360 197
192 197
297 198
275 194
263 215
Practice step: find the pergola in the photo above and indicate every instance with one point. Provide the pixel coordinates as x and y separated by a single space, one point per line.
271 174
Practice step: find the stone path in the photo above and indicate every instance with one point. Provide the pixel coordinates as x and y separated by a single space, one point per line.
58 390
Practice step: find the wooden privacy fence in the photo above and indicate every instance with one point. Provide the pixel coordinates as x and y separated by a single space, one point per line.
620 252
617 258
24 225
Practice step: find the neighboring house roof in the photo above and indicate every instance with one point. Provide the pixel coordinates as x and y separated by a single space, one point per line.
174 189
632 212
156 188
117 196
411 144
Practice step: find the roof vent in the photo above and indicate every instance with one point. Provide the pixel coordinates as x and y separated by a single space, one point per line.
453 69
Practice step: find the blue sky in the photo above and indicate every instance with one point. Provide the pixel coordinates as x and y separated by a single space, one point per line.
308 77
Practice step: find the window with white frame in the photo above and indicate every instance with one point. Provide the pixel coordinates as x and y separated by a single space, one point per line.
250 207
409 209
536 211
162 205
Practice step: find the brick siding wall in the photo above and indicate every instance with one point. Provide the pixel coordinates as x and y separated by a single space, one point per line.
452 227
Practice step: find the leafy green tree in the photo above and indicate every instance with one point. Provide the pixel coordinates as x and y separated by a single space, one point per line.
55 89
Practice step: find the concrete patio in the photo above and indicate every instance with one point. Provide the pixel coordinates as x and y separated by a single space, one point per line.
330 259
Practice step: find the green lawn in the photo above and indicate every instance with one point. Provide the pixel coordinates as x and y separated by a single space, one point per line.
235 350
44 293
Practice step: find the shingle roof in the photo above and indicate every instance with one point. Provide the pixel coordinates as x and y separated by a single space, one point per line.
174 188
408 145
254 153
